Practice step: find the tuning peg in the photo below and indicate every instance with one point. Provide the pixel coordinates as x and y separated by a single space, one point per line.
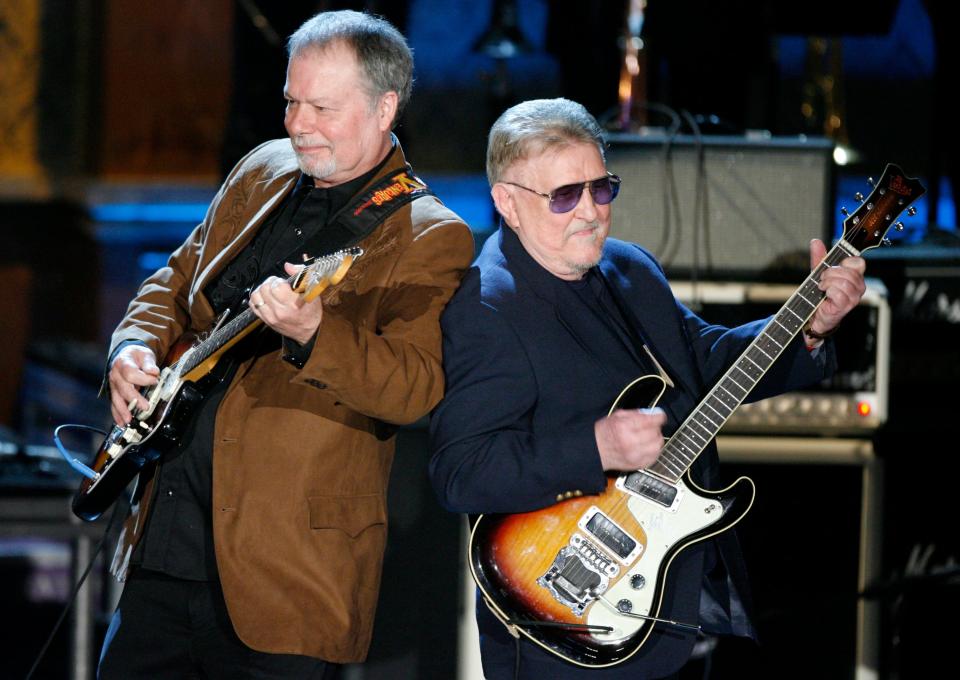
886 242
898 226
858 197
844 211
911 211
871 182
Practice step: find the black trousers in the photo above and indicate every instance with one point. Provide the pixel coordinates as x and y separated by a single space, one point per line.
171 628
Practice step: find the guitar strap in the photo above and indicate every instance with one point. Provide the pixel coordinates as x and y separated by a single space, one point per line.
366 211
626 322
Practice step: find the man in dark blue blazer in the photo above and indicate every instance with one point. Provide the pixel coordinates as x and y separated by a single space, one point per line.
549 325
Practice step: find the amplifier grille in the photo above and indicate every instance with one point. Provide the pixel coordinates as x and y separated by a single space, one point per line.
759 203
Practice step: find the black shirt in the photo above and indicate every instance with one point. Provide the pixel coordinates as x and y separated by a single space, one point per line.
592 298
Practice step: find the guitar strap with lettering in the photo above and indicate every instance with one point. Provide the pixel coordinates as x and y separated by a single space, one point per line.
366 211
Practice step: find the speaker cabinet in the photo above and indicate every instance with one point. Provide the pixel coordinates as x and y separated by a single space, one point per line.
723 206
811 544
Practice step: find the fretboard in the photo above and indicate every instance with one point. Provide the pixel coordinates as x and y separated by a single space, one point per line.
703 424
216 340
316 273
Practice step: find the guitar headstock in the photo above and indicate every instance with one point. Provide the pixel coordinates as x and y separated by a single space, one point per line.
322 272
867 227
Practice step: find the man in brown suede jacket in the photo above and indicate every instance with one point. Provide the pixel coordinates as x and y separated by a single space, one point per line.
262 551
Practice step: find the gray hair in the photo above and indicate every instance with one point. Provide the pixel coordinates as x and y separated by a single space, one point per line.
534 126
381 50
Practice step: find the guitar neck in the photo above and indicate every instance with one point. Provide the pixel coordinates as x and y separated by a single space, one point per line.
308 282
219 340
703 424
224 337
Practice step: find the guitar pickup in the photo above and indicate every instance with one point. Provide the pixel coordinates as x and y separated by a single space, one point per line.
610 535
645 485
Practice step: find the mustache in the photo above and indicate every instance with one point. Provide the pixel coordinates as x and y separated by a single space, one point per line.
594 225
301 141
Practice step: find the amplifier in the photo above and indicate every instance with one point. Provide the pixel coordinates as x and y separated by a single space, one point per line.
853 401
723 207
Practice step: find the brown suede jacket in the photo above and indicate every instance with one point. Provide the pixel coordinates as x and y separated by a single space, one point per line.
301 458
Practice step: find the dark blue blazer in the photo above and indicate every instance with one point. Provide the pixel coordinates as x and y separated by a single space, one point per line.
528 374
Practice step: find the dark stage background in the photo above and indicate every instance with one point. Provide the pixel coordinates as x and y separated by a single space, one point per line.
118 120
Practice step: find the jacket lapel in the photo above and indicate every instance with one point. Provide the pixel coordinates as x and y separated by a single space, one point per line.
241 222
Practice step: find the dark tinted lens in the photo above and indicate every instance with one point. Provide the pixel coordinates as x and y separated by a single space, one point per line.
605 190
565 198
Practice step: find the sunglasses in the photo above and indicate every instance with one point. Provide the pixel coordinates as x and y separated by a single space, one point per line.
564 199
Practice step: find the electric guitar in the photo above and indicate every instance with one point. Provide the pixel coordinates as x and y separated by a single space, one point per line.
172 400
584 578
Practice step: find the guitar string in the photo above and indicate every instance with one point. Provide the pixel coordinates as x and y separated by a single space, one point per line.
324 266
674 453
808 287
857 226
669 454
833 257
666 453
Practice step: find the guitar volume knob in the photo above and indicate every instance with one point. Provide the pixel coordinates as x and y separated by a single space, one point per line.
625 606
637 581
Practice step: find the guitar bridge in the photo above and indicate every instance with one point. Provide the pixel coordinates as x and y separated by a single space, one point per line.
579 574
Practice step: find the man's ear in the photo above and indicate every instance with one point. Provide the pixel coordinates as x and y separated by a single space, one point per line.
387 110
503 200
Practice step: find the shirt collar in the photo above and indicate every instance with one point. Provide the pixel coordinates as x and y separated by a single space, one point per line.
341 194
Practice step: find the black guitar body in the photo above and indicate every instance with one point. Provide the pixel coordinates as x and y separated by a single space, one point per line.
163 432
181 386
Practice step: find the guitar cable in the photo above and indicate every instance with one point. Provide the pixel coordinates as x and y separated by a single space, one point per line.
583 627
701 210
76 590
74 463
516 663
69 456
